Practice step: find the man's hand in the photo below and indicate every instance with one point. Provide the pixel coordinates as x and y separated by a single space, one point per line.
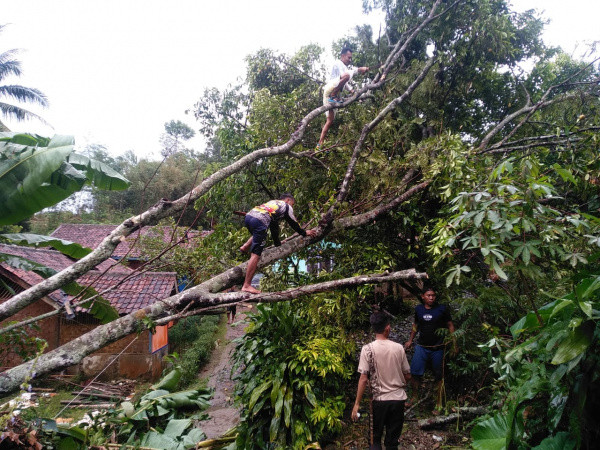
355 413
363 69
311 233
408 344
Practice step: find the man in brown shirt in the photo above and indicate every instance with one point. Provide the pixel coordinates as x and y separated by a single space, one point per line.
384 366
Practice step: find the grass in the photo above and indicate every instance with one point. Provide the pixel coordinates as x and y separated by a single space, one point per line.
49 407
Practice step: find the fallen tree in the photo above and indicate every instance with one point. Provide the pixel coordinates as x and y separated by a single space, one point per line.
397 81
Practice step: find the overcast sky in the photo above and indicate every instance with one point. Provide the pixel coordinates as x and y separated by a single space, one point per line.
116 70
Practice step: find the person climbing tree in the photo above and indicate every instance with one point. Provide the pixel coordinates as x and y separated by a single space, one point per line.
383 364
338 80
258 220
429 317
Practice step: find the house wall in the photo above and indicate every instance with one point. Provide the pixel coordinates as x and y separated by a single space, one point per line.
49 329
136 362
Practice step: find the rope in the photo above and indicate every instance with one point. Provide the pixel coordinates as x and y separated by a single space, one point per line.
96 377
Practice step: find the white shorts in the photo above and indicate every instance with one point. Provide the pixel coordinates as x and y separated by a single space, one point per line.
329 87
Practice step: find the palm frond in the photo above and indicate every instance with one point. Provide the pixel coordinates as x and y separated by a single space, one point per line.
24 94
15 112
9 65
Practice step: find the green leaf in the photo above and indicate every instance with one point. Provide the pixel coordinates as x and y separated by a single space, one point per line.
274 428
25 264
75 432
154 439
176 427
37 172
576 343
193 437
287 406
68 248
310 396
560 306
67 443
499 271
169 381
256 393
25 170
561 441
101 175
490 434
279 403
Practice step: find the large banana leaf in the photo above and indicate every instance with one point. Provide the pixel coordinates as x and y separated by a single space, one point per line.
37 172
98 173
68 248
24 170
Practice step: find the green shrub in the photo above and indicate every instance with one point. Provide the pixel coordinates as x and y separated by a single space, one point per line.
197 353
548 382
290 379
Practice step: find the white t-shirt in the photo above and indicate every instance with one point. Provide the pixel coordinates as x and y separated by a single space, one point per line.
338 69
385 362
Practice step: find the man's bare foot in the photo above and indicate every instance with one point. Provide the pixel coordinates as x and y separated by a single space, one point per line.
250 289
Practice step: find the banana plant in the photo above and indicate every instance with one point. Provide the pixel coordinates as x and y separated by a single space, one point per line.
37 172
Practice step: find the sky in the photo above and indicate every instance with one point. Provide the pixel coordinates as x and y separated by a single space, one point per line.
115 71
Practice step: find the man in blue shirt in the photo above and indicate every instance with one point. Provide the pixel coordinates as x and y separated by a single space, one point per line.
429 317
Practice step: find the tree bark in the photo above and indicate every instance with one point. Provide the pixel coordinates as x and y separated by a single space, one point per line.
74 351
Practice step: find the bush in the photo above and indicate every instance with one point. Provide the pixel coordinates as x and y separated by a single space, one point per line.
197 352
290 380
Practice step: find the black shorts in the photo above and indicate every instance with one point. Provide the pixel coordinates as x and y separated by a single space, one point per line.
259 234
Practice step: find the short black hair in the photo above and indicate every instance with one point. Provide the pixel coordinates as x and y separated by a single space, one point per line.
424 291
345 50
287 195
379 320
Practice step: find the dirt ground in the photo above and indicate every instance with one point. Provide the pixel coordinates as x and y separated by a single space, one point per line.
223 414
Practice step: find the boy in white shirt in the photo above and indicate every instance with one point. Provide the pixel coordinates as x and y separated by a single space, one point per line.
338 80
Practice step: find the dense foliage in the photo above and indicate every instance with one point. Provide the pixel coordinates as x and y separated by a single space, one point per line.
510 214
504 220
292 378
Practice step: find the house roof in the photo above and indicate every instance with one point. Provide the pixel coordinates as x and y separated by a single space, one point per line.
91 235
136 291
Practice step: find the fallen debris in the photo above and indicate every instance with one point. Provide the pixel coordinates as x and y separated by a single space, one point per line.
461 413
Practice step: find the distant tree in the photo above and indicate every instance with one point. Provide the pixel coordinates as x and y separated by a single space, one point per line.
176 133
11 66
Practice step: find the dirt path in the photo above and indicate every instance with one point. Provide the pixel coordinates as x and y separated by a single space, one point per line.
223 414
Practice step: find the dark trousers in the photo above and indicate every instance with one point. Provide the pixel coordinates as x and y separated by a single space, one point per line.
388 414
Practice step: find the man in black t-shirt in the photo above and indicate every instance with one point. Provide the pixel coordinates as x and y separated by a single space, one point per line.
429 317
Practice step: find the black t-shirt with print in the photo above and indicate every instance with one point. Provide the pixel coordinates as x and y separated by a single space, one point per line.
429 320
